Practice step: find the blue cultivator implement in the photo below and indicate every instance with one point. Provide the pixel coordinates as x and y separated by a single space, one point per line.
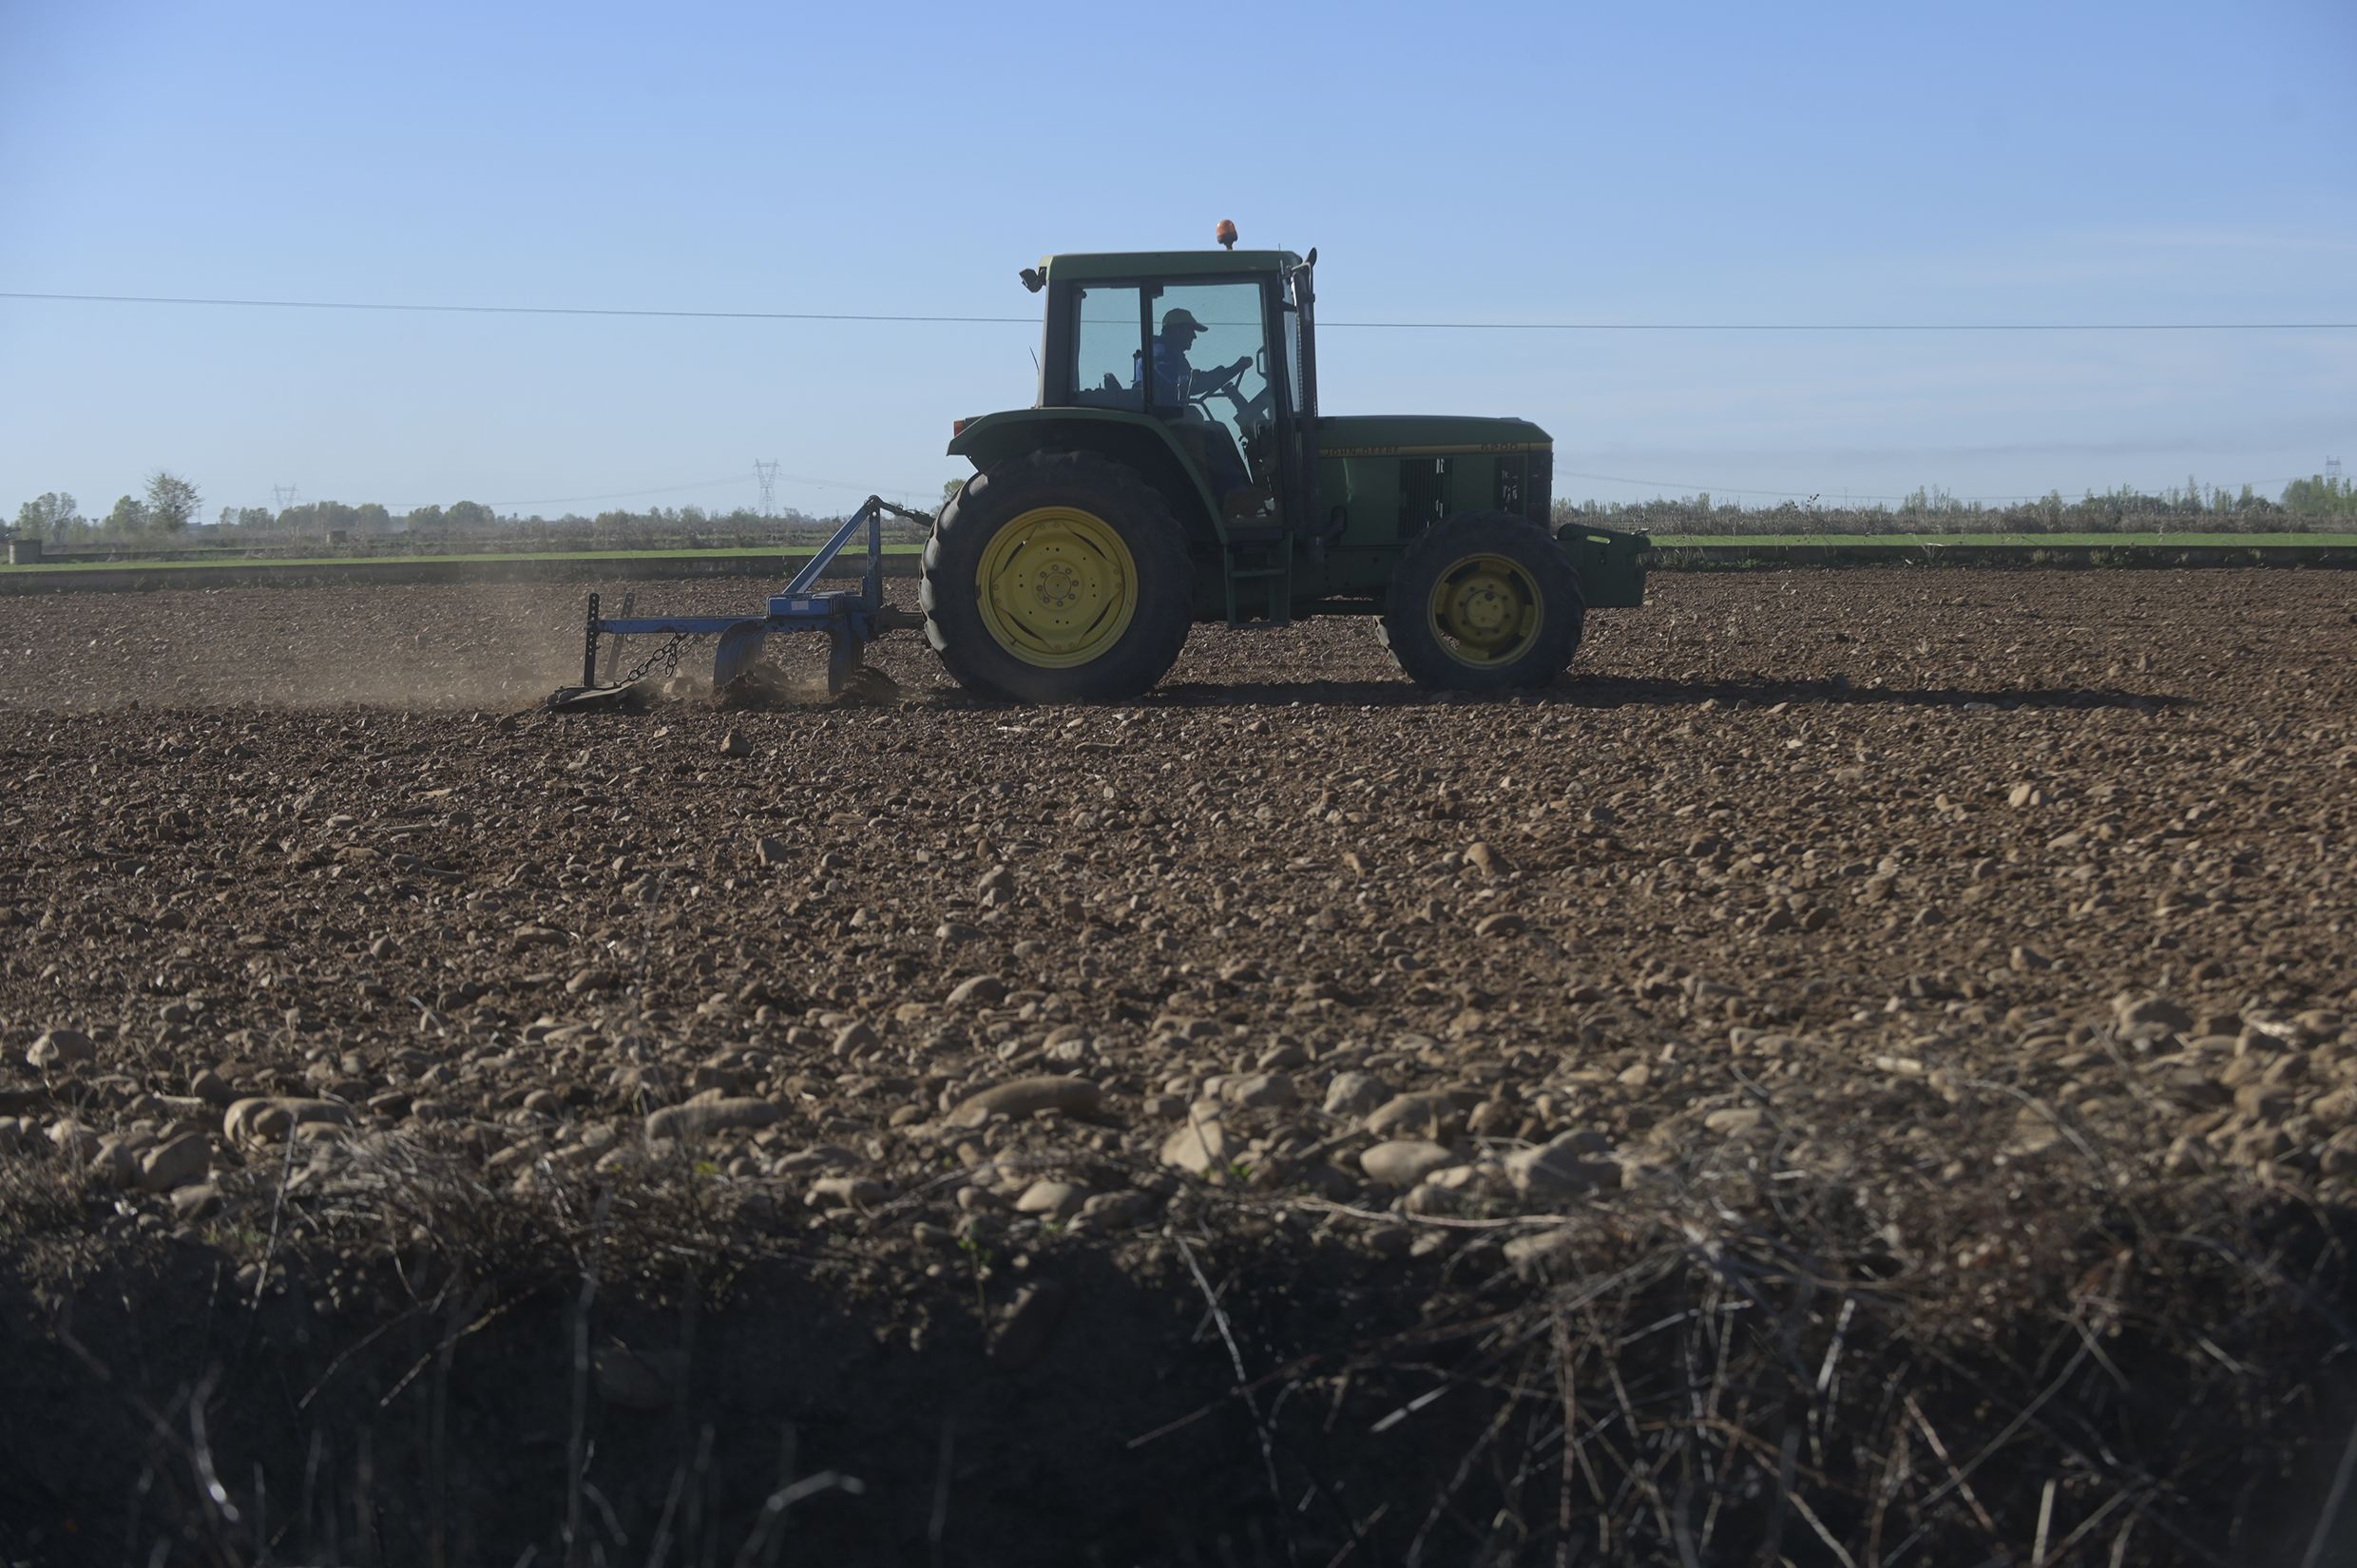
850 619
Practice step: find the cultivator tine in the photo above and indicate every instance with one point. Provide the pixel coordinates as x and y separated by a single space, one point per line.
613 646
740 646
842 659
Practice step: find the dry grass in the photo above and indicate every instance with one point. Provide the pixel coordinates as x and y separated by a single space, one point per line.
1714 1368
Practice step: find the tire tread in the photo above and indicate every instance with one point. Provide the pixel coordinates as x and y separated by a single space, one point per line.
985 503
1406 625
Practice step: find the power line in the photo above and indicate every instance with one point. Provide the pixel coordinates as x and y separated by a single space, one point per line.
505 310
1029 320
568 500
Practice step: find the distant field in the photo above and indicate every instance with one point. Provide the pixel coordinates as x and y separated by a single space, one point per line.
2018 541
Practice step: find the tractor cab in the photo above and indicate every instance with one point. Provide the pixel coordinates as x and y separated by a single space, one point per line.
1196 371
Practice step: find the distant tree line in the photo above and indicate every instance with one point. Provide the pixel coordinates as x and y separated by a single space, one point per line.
2317 496
2306 506
167 505
166 512
166 516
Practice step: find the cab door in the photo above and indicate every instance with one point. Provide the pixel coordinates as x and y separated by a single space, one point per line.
1212 374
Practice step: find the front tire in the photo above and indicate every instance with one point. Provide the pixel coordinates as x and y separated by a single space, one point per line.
1486 601
1057 576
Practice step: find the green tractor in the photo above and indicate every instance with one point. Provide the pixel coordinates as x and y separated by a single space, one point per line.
1175 468
1159 482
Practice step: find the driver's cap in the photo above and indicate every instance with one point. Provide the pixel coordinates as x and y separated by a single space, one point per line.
1179 320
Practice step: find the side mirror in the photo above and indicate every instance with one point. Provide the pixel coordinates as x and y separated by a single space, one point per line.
1032 279
1311 259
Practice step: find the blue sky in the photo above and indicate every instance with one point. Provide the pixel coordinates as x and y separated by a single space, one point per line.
1992 162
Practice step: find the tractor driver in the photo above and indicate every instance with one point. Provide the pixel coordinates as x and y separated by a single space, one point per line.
1175 382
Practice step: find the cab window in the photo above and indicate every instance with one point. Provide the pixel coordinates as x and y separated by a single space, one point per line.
1105 339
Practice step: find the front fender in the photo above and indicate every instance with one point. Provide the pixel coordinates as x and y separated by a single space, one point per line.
1136 440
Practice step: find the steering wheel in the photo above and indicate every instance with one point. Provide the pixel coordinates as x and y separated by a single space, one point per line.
1254 410
1249 410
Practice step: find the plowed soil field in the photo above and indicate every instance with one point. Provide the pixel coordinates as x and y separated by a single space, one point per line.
1863 1070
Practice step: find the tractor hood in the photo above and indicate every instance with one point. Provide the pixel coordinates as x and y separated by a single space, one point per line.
1424 435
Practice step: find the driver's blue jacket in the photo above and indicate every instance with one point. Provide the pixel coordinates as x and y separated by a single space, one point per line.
1174 378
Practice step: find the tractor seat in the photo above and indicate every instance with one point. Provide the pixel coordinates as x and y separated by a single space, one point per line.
1205 442
1111 395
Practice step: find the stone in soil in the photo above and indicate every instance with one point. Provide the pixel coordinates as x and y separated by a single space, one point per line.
269 1120
1053 1199
1429 1115
1028 1096
58 1049
1354 1094
702 1119
2156 1012
844 1192
182 1162
1567 1166
1258 1091
1203 1147
1404 1162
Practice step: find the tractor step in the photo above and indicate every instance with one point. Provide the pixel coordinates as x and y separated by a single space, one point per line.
1256 571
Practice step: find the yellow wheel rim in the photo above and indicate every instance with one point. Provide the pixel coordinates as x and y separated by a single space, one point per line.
1057 587
1487 610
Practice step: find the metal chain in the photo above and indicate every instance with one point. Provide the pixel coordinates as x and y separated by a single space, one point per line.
667 656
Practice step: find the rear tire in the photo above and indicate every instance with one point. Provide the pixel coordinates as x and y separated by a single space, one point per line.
1485 602
1057 576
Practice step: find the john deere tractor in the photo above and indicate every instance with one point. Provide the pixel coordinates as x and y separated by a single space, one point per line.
1176 468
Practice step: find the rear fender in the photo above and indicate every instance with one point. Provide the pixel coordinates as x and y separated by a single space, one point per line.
1139 442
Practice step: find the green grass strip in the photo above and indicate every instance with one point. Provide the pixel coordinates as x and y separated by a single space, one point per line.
252 563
